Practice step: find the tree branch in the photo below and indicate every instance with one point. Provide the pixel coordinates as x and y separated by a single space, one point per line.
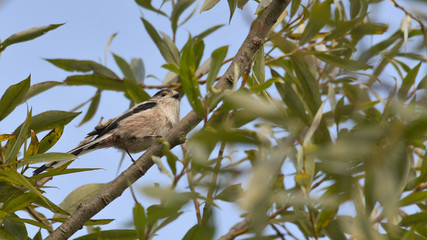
115 188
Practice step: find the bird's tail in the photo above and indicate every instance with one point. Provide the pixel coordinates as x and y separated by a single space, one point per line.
80 150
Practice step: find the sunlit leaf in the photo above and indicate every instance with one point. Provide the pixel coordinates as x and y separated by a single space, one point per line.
93 107
178 9
139 220
147 5
99 82
13 96
138 69
136 92
78 196
217 57
83 66
319 16
39 88
208 4
27 35
231 193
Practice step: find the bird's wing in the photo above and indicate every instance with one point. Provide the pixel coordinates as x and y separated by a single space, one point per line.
102 130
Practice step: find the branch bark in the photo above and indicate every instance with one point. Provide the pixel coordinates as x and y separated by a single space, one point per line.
115 188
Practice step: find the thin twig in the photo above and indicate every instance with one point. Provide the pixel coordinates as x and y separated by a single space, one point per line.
39 219
423 28
278 233
243 226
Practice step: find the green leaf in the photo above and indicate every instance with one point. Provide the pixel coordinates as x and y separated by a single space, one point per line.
265 85
29 221
415 218
208 4
4 234
13 96
319 16
408 81
27 35
232 4
188 78
231 193
38 236
99 82
59 171
49 120
79 196
413 198
18 179
13 145
326 216
147 5
16 228
92 107
379 47
47 157
295 4
348 64
83 66
171 158
259 66
135 91
217 57
138 69
292 100
18 202
39 88
111 235
164 46
139 220
177 10
207 32
170 48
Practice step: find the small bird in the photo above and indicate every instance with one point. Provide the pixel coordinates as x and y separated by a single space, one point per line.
135 130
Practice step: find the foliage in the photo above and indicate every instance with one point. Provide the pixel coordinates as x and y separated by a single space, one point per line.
315 140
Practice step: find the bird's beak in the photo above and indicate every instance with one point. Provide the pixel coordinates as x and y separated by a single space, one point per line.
176 96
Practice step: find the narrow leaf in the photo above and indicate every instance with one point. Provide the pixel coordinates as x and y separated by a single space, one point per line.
47 157
92 107
408 81
99 82
27 35
83 66
348 64
217 57
79 196
13 96
178 9
50 139
139 220
39 88
319 16
208 4
135 91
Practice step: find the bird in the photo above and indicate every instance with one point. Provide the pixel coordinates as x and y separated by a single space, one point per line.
133 131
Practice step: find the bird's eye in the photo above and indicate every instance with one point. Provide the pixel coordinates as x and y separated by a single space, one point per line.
164 93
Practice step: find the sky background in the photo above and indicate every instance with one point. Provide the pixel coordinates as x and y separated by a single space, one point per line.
88 26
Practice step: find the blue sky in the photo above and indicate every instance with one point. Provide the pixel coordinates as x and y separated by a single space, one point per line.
88 26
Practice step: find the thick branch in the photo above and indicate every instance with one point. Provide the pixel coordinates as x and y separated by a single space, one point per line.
115 188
